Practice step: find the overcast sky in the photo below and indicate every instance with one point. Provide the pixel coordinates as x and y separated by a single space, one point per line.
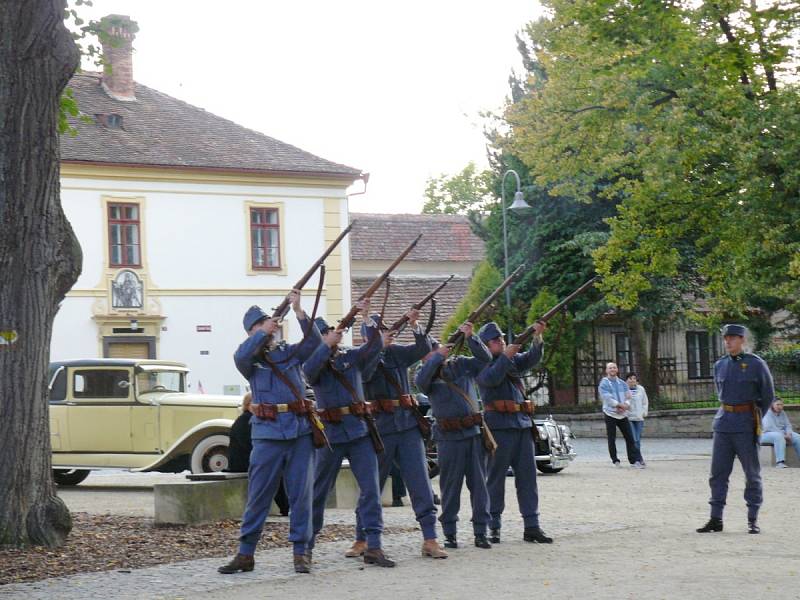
394 89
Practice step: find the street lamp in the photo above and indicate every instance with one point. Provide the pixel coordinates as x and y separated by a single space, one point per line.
518 204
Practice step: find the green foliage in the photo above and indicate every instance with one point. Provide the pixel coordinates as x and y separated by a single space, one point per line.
685 114
485 280
466 193
559 339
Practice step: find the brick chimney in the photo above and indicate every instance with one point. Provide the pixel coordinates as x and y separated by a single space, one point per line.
117 33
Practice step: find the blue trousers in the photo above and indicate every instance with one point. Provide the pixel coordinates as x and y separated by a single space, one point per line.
269 460
407 449
460 459
778 442
515 449
364 466
725 448
636 430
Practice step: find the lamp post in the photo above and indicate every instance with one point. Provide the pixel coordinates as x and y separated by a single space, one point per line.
518 204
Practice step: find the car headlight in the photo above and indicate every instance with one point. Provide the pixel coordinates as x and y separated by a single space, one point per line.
542 432
566 432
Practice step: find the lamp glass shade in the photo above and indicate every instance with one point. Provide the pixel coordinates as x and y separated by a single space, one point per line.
519 202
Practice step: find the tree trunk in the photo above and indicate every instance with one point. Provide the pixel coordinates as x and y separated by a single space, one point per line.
40 260
655 337
641 358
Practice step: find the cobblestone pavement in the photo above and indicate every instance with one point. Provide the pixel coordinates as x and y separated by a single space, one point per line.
620 533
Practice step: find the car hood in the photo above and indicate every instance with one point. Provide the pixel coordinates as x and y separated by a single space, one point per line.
182 399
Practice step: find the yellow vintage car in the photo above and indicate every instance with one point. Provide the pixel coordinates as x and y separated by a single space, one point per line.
134 414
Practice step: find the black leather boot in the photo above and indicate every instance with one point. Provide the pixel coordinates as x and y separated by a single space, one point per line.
450 541
536 535
713 524
302 563
240 562
752 527
481 541
375 556
494 536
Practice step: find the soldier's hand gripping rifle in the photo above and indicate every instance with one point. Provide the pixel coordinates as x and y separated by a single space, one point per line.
401 322
526 335
347 320
457 338
280 311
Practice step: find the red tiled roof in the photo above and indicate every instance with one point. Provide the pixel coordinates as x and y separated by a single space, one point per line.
158 130
384 236
405 291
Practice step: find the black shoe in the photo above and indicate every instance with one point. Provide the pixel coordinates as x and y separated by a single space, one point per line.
375 556
535 534
494 536
240 562
436 500
310 555
752 527
302 563
713 524
397 502
450 541
481 541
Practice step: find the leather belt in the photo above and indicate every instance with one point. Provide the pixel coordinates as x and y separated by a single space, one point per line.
388 405
459 423
509 406
335 414
269 412
738 408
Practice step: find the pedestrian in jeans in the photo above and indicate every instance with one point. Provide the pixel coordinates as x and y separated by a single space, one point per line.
616 398
638 410
778 431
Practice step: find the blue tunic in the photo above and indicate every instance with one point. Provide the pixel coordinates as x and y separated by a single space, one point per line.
496 383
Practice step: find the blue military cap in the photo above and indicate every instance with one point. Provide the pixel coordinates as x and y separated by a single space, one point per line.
378 321
733 329
322 325
253 316
489 332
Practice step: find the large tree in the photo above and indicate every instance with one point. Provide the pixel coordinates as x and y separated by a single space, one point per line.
40 260
687 113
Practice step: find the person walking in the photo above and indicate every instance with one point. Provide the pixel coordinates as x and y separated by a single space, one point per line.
745 391
637 413
778 432
616 398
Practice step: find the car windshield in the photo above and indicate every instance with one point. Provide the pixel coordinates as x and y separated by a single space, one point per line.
160 381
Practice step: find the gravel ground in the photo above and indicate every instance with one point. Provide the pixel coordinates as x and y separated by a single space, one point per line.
620 533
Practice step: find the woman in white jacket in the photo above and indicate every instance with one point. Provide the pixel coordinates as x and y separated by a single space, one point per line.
638 410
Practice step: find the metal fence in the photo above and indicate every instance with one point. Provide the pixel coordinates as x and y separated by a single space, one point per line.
682 382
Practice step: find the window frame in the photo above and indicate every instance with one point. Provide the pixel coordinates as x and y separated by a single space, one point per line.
265 226
122 222
623 365
700 367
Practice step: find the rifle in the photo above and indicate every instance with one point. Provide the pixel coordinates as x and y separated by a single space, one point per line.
457 338
280 311
347 320
526 335
398 325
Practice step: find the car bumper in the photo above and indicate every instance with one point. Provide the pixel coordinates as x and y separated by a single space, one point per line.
556 461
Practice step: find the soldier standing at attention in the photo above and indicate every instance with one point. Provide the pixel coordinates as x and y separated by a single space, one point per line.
510 417
450 386
745 389
336 376
281 432
388 391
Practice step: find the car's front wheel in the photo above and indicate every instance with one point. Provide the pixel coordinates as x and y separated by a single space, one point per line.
210 455
69 476
549 469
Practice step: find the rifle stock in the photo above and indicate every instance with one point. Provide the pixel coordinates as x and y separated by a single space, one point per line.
526 335
397 325
347 320
458 337
280 311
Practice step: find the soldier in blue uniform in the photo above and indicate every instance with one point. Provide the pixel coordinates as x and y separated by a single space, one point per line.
336 376
388 390
509 415
450 386
281 432
745 390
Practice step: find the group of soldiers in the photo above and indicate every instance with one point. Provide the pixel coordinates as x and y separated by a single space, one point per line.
364 411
